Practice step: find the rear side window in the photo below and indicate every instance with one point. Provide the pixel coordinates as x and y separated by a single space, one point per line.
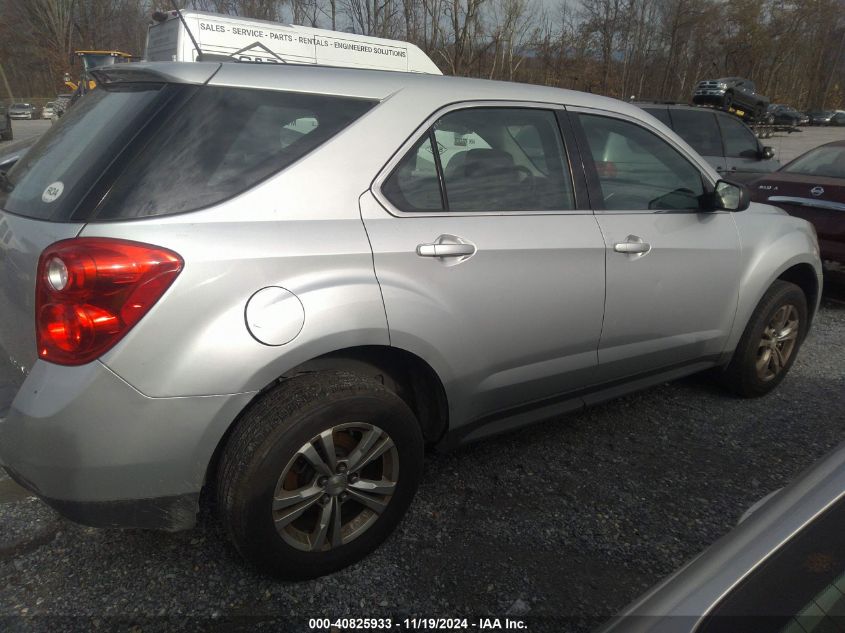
485 160
221 143
413 185
700 130
126 152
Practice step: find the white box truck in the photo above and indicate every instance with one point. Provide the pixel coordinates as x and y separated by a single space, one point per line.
270 42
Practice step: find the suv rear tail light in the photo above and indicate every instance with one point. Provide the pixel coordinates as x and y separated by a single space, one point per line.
90 291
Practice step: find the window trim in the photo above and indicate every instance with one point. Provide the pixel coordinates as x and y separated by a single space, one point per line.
572 160
703 167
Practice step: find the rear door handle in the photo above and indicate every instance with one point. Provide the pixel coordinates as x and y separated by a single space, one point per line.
449 249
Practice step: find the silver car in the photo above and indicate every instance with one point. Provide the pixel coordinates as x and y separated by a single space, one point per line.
283 283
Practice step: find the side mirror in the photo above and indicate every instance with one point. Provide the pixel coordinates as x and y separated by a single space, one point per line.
768 153
730 196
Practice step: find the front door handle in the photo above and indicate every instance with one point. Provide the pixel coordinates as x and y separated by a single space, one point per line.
632 245
445 250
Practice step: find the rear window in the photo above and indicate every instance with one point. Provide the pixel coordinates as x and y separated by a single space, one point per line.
130 151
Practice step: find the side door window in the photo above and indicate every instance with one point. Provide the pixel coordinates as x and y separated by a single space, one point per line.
740 142
637 170
699 129
414 184
485 160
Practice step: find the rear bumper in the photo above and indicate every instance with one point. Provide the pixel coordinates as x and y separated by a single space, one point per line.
102 453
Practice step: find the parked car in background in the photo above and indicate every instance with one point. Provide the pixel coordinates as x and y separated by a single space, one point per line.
49 110
820 117
224 316
731 92
812 187
837 119
722 139
787 115
781 570
6 133
23 111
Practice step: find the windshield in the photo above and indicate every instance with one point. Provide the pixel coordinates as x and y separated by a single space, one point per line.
828 160
91 62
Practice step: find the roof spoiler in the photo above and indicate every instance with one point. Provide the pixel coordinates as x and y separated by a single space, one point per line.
132 73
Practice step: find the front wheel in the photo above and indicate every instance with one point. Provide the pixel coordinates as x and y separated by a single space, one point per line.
318 473
770 343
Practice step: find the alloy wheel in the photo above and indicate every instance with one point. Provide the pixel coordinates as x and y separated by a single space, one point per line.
778 342
335 487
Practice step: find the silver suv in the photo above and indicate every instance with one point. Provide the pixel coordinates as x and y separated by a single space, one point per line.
283 283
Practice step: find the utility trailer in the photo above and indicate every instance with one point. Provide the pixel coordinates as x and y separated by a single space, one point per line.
229 37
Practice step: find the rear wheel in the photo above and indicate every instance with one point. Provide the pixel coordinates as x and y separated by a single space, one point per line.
318 473
770 343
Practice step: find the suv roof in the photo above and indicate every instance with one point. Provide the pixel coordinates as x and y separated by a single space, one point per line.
352 82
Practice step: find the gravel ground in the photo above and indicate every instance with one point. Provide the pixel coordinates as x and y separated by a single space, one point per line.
570 519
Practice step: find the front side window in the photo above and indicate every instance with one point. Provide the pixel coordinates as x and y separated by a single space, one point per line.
489 160
740 142
637 170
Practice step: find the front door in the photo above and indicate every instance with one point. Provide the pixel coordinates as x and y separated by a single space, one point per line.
672 268
490 268
743 153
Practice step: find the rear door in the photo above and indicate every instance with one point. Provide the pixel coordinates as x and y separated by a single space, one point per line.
672 269
490 263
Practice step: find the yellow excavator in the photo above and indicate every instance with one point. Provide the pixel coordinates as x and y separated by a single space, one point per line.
90 61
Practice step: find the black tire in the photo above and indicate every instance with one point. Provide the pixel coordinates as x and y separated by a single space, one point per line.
728 101
268 437
741 375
